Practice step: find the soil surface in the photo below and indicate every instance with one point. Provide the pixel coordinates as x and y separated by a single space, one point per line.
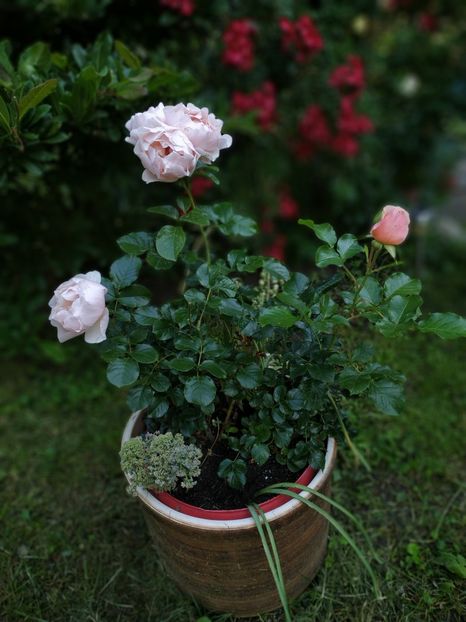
213 493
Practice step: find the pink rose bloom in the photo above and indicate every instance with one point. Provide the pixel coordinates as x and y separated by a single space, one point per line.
393 227
78 307
205 132
170 140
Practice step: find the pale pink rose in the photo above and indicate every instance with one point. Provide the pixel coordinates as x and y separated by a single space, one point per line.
205 133
78 307
393 227
170 140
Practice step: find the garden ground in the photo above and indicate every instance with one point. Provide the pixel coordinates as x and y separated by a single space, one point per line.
74 548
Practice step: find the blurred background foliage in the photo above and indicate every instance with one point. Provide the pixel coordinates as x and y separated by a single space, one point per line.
336 108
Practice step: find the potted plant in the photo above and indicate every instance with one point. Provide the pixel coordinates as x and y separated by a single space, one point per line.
242 379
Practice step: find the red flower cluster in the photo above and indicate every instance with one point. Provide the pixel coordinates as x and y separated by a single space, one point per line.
200 185
287 207
239 44
301 36
349 78
263 101
428 22
185 7
314 131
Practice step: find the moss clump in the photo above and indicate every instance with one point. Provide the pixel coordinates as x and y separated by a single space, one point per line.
159 461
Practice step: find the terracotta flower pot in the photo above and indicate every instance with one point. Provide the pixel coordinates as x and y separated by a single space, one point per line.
221 563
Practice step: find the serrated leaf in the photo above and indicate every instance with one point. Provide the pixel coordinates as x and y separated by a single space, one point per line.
400 284
125 270
260 453
276 269
122 372
36 95
231 307
277 316
144 353
324 231
200 391
326 256
135 243
158 263
196 217
233 471
134 296
348 246
444 325
170 242
387 396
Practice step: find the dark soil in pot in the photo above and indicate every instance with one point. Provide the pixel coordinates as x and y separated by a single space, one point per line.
213 493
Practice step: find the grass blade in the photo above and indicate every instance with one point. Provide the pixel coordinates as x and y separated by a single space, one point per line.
274 562
335 504
338 527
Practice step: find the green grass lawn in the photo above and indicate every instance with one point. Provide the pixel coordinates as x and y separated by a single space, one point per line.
74 547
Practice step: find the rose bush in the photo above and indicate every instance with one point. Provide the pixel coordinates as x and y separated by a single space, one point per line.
253 359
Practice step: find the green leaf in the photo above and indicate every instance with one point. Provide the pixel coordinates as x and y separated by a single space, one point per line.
196 217
36 95
134 296
139 397
160 383
324 232
348 246
165 210
194 296
231 307
161 409
144 353
370 293
387 396
277 316
158 263
326 256
4 115
200 391
135 243
444 325
213 368
122 372
146 315
249 376
260 453
276 269
170 242
234 471
354 381
129 58
125 270
400 284
455 563
181 364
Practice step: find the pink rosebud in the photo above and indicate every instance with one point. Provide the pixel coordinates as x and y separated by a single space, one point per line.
393 227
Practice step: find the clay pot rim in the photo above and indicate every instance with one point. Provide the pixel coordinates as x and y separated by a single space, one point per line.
155 505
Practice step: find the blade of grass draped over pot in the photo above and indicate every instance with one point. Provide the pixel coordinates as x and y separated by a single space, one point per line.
281 489
260 519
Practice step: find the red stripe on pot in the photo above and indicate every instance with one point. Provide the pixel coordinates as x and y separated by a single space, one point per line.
192 510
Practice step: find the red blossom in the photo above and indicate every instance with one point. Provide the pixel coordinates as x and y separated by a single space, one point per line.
345 144
349 78
287 207
239 45
428 22
350 124
200 185
313 126
263 102
301 37
185 7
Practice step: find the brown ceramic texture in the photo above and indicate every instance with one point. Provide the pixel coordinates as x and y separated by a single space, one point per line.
226 569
